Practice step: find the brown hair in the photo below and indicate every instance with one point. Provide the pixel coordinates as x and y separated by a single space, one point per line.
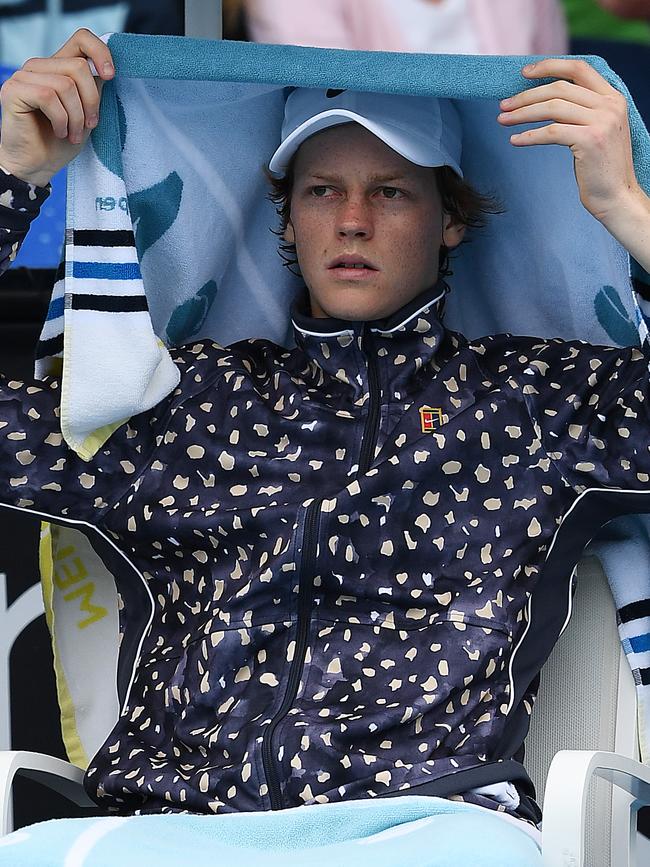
460 201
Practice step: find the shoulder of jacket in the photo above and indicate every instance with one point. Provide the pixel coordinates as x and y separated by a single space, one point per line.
506 354
207 360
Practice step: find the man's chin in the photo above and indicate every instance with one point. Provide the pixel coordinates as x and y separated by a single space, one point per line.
360 312
354 303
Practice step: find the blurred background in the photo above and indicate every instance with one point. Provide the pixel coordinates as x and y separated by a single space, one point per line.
618 30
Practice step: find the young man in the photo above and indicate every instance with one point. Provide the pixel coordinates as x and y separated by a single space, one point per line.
342 541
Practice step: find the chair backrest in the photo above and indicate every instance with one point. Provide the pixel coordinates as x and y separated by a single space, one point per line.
587 701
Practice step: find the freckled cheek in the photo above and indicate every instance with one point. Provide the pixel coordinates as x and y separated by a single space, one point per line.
312 231
311 245
404 254
416 243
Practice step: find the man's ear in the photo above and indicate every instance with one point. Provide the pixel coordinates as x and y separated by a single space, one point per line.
289 235
453 231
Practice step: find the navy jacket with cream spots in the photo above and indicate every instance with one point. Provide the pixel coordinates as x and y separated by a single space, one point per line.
358 553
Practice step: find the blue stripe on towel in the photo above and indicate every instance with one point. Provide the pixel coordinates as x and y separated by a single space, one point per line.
56 308
640 643
107 270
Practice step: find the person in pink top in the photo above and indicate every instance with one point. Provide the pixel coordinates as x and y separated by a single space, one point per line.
437 26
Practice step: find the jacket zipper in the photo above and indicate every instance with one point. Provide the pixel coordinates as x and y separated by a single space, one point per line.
305 604
371 430
306 586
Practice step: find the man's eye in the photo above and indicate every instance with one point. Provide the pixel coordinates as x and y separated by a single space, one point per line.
320 191
391 193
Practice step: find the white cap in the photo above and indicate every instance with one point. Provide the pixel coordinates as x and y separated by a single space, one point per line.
424 130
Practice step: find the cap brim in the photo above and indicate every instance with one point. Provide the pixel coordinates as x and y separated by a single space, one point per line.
388 133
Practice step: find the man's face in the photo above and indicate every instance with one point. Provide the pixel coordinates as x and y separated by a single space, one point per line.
367 225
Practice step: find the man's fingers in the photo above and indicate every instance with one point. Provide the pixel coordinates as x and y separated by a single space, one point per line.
66 90
83 43
558 110
556 90
43 97
78 71
554 133
578 71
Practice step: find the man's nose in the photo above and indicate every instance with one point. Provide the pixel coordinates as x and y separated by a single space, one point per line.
355 220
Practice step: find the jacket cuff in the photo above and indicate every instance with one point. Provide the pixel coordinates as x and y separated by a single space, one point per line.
20 202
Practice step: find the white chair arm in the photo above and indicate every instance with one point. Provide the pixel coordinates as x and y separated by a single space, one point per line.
56 774
565 799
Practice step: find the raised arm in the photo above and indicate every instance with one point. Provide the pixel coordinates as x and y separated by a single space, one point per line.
592 404
48 110
50 107
589 116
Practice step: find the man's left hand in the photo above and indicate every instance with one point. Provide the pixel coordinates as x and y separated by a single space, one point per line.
587 115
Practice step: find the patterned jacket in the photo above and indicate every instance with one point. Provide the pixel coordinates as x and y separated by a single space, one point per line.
350 559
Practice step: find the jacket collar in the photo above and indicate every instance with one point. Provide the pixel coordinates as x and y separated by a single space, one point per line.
404 343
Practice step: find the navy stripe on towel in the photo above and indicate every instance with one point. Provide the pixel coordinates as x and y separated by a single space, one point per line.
110 303
634 611
103 238
47 348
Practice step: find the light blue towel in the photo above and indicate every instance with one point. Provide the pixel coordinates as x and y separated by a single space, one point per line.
394 832
186 129
169 237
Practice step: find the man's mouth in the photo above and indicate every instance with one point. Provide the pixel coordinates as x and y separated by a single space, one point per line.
357 265
351 263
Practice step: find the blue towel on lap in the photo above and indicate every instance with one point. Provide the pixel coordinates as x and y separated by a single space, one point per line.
396 832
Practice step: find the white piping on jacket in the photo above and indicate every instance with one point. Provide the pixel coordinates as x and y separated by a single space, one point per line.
374 330
57 519
529 604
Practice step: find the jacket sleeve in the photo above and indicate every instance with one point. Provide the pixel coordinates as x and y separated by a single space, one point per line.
40 473
20 203
293 22
591 405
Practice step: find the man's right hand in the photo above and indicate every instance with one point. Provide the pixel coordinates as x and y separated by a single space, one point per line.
50 107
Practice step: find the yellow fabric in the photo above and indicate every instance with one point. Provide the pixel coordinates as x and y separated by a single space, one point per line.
88 448
71 739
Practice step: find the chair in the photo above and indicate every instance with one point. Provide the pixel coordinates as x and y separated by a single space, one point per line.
567 747
573 755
